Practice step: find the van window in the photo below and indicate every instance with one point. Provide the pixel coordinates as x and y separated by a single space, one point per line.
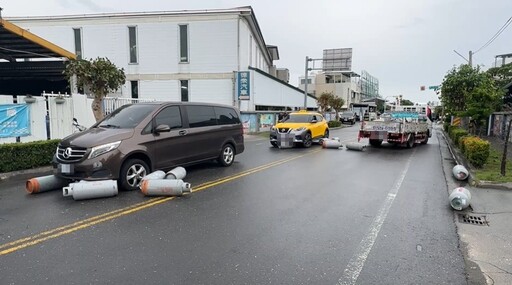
201 116
170 116
127 116
226 116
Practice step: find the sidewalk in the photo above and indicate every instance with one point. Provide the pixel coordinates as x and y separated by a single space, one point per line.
487 248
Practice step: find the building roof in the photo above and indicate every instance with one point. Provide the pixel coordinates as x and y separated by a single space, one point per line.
17 43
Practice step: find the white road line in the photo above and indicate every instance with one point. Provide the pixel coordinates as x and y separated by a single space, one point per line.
356 263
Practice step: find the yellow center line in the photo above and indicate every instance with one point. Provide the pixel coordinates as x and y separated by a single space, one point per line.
60 231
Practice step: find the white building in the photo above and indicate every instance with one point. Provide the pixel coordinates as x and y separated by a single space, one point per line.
341 84
179 56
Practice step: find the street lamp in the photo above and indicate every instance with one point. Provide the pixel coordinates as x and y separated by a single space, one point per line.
386 98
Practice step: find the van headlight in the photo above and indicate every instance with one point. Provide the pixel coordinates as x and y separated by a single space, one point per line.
273 129
104 148
300 129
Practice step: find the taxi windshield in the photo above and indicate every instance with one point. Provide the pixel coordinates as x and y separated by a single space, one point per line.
296 118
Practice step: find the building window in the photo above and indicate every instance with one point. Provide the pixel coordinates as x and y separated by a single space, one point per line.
132 41
183 43
184 90
78 42
250 50
303 81
135 89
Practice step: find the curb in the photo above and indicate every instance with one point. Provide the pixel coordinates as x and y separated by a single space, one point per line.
7 175
460 159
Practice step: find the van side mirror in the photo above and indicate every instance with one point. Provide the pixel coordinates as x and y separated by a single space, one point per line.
162 129
314 121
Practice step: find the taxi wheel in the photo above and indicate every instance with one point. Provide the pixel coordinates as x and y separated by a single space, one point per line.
307 141
274 144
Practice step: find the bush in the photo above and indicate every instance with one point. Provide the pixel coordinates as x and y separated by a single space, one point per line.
457 133
334 124
477 150
446 127
19 156
462 141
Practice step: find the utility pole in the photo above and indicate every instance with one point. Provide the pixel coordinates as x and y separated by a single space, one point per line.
306 85
470 59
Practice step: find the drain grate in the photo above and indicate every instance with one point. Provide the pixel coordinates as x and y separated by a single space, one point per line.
473 220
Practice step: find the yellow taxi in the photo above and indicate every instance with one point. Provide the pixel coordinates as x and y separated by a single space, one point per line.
299 128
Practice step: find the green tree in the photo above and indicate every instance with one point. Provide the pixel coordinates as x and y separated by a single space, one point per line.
337 103
100 76
406 102
468 92
324 100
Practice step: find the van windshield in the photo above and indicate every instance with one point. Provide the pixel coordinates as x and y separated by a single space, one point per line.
127 116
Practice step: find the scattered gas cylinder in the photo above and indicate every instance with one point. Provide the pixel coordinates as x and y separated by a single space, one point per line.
355 146
45 183
460 172
91 189
460 198
165 187
159 174
331 143
176 173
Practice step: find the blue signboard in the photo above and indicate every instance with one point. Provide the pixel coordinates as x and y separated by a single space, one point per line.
14 120
243 85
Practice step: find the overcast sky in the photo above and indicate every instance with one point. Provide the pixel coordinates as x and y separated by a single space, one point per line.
404 43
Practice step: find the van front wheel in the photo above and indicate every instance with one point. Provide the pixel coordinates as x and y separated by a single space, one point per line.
227 155
132 172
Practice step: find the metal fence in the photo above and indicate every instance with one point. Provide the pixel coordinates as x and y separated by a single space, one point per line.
112 103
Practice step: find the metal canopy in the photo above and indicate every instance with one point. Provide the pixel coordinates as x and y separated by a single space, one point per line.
26 70
17 43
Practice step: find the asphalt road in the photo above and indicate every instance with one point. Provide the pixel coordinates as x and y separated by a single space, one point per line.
285 216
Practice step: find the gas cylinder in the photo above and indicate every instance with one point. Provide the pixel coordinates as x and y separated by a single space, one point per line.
159 174
91 189
460 198
176 173
165 187
355 146
460 172
45 183
332 143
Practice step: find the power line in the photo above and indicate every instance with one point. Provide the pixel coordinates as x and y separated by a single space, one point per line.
498 33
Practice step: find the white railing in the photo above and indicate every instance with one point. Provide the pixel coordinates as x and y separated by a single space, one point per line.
112 103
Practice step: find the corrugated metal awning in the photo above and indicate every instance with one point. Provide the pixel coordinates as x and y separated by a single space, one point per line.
18 43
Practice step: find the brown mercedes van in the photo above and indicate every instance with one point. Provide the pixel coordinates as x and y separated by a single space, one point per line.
137 139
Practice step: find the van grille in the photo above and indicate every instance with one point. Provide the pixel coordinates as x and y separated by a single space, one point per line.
70 153
283 130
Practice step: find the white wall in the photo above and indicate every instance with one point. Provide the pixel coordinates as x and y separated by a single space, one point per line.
212 91
160 90
212 42
250 49
270 92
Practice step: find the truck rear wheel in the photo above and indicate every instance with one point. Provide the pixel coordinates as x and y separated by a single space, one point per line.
425 140
375 142
410 141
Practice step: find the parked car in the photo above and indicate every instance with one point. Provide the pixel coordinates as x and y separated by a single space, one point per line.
137 139
348 117
301 127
